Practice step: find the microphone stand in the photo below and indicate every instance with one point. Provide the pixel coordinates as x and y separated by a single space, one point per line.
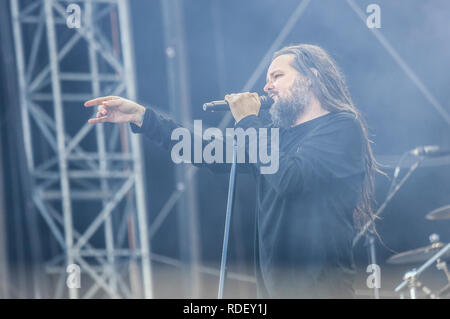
230 204
370 240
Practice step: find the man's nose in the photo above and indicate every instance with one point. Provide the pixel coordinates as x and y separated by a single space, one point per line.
268 87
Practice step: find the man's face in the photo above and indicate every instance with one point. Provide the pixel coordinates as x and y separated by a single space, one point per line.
289 90
280 77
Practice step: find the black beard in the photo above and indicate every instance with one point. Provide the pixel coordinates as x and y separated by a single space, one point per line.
286 111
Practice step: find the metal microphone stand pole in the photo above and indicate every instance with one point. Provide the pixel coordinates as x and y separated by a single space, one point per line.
230 204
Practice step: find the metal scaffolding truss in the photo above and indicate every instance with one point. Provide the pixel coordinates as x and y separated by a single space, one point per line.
87 185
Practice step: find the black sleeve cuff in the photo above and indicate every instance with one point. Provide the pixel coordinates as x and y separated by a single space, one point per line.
145 122
249 121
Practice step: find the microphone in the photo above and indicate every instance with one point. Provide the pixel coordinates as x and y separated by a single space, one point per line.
218 106
430 151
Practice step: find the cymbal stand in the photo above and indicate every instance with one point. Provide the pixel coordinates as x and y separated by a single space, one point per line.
370 240
370 243
391 194
414 284
410 278
442 265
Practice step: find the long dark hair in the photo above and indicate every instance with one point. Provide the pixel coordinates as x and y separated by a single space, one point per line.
330 89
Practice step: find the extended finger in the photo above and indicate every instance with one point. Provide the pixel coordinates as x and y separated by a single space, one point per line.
98 120
100 100
116 102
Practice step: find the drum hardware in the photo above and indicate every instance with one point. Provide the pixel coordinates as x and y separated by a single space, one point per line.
442 265
430 254
394 188
410 278
434 252
444 291
428 292
419 255
439 213
411 281
414 284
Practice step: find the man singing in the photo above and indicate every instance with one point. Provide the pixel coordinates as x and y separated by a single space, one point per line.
307 212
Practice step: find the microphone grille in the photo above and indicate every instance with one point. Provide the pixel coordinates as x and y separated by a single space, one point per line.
266 101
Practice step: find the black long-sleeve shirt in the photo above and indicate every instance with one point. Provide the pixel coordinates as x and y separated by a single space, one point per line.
304 211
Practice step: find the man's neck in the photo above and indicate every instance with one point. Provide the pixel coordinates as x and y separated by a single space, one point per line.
312 111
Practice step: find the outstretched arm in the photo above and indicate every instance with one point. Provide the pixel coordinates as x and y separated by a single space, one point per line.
155 126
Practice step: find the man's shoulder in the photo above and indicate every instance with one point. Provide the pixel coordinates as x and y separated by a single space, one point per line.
341 122
343 116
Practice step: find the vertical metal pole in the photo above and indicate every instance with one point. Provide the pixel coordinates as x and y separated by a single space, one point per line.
20 62
59 119
101 145
129 69
219 46
230 204
179 98
31 222
238 230
412 290
4 281
373 261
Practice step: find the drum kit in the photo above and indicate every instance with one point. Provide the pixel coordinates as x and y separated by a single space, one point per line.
437 252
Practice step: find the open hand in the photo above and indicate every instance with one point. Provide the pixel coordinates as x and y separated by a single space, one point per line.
115 109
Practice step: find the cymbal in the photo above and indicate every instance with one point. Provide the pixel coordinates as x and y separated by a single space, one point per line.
439 213
418 255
